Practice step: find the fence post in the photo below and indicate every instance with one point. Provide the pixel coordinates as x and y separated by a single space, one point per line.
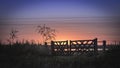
95 46
52 47
104 45
45 44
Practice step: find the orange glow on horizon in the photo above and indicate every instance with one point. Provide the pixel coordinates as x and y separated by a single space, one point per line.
65 31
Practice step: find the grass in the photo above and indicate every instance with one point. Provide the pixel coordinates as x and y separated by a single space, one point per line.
39 56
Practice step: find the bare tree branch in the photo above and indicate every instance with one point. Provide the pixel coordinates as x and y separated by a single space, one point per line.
13 35
47 33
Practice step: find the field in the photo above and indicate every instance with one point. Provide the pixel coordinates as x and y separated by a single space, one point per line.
39 56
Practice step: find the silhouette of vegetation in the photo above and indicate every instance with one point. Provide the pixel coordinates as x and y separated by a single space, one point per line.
46 32
12 36
110 59
31 55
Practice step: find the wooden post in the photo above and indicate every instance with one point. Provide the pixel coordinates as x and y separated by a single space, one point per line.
70 48
67 52
95 46
104 45
45 44
52 47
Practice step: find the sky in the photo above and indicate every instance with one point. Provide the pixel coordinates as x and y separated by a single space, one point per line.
72 19
60 8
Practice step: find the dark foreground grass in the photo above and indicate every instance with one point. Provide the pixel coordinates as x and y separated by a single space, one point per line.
32 56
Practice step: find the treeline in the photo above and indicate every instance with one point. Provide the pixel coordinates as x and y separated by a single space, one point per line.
19 55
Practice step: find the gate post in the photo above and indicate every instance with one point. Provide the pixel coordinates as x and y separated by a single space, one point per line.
70 48
52 47
104 45
95 46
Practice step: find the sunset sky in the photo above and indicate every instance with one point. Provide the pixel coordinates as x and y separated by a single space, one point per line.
72 19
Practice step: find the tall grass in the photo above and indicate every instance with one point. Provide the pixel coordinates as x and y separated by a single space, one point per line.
26 55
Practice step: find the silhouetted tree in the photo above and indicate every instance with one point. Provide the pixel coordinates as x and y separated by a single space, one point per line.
46 32
13 35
